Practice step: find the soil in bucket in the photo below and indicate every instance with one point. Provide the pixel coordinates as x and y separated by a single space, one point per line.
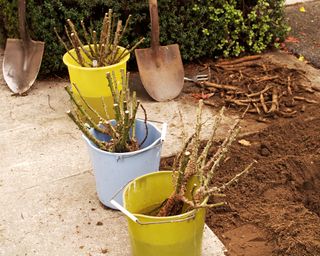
179 235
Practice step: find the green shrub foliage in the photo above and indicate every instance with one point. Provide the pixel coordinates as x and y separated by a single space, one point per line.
210 28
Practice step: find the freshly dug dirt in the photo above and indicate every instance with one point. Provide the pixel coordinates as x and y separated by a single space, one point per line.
275 209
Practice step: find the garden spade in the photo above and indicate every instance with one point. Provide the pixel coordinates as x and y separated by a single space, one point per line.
22 57
160 67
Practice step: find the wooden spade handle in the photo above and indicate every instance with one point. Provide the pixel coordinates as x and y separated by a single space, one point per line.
155 30
22 22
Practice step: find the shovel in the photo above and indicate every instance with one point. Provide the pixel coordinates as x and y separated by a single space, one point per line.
160 67
22 57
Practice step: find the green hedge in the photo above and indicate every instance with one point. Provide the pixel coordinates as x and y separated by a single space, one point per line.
209 28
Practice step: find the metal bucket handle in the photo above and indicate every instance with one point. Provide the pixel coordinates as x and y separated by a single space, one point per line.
136 220
163 129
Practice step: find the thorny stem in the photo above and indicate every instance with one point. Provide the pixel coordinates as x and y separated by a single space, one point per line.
125 118
116 40
64 45
83 112
88 40
77 40
85 130
145 124
95 45
222 151
86 103
105 50
107 42
126 52
236 178
204 154
205 170
181 172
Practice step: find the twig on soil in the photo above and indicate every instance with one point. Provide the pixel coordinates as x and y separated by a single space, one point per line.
267 88
263 79
305 99
209 103
239 60
221 86
275 102
50 103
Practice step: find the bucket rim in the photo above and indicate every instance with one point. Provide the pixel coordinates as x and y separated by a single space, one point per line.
124 154
152 219
68 64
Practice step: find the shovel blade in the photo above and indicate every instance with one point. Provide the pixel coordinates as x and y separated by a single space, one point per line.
163 75
21 64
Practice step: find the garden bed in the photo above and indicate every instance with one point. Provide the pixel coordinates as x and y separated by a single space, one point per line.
275 209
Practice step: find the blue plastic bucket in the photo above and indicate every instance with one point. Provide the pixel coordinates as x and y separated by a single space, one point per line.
113 171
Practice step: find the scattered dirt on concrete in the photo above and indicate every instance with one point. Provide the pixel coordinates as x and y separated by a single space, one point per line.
275 209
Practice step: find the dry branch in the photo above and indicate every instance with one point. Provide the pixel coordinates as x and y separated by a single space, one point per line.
221 86
103 51
193 161
239 60
119 129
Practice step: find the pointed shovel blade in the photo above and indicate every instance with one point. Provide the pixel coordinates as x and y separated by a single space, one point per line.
162 76
21 64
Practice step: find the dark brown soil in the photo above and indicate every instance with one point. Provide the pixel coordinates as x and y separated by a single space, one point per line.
275 209
304 35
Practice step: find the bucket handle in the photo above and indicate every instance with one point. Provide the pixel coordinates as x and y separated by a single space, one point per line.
162 138
163 128
164 131
136 220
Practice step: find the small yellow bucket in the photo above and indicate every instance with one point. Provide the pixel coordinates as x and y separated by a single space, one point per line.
92 82
179 235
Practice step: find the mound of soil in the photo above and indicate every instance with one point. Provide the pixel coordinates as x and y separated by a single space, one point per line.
275 209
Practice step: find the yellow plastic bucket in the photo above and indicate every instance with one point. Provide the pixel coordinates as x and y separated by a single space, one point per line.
92 82
179 235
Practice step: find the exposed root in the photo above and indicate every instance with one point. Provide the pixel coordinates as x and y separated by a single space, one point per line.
267 89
